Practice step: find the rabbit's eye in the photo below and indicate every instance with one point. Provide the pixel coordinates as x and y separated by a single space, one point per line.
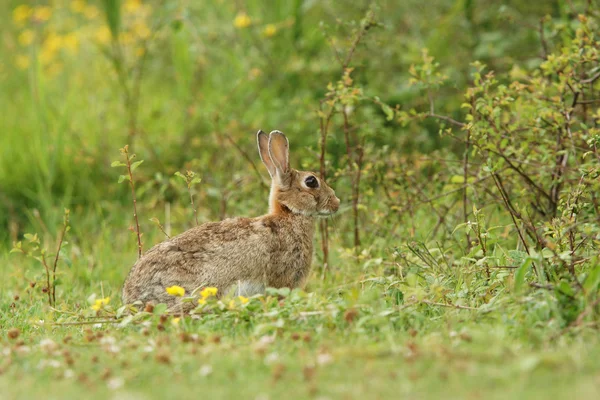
312 182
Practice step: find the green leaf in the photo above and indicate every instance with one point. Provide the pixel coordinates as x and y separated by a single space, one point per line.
117 164
121 311
126 321
17 248
136 164
32 238
112 9
160 309
592 280
398 296
521 272
123 177
565 288
179 174
457 179
388 111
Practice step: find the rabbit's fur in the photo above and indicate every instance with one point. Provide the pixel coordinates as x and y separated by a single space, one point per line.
245 254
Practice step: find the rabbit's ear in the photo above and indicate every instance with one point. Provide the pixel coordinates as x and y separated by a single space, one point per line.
279 150
263 149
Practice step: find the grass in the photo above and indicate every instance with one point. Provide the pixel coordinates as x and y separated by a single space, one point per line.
345 337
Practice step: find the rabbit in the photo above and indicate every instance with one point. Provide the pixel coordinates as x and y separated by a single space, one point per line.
244 255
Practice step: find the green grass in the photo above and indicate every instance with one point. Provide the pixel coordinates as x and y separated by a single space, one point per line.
299 345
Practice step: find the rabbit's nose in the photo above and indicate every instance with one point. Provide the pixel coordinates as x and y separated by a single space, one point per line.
335 204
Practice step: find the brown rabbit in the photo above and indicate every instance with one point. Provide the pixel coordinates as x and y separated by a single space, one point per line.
247 254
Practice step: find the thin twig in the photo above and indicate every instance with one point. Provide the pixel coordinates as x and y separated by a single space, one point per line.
125 151
510 209
60 243
432 303
465 180
81 323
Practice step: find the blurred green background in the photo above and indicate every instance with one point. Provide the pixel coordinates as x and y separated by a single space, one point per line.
191 82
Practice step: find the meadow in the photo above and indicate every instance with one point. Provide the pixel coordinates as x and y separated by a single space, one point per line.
461 137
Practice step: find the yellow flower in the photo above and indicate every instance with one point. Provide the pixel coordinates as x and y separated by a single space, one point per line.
103 34
51 45
270 30
22 13
231 304
126 37
42 13
26 37
141 30
91 12
254 73
100 303
71 42
208 292
242 20
78 6
176 291
132 6
54 69
22 61
201 301
175 321
53 41
243 299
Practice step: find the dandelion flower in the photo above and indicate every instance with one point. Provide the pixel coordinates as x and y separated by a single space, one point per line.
242 20
176 291
47 55
208 292
42 13
175 321
202 301
78 6
102 35
126 37
270 30
51 45
100 303
22 13
132 6
243 299
91 12
71 42
26 37
141 30
22 61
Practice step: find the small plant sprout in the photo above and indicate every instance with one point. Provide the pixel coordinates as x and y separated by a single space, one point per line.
131 166
35 250
191 179
156 222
